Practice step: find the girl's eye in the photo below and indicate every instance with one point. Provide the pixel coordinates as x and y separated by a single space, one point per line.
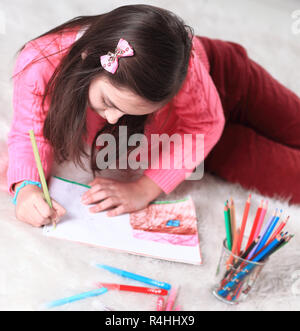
105 104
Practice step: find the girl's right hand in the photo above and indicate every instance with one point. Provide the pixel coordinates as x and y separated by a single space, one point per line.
33 209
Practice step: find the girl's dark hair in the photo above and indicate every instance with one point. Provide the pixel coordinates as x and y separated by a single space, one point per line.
162 45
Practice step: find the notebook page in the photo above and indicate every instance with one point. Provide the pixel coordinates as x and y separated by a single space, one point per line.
80 225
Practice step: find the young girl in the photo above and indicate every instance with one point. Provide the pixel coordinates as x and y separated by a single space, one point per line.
141 67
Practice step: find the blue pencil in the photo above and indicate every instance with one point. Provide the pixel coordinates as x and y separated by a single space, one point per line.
267 234
264 231
77 297
139 278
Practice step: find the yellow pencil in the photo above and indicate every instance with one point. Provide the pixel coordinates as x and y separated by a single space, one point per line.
40 170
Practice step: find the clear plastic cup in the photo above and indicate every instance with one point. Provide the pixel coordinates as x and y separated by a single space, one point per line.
235 277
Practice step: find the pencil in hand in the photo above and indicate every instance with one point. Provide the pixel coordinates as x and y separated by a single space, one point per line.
41 171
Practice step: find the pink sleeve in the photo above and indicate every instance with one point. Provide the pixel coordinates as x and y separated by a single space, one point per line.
197 109
28 88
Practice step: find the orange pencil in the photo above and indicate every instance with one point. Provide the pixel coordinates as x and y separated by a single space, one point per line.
244 223
234 246
255 223
232 219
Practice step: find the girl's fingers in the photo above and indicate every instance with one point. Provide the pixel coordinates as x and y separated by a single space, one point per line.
37 219
107 203
93 190
117 211
44 209
49 214
98 196
60 210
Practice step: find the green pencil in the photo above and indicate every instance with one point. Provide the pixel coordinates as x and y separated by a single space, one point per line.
40 170
228 226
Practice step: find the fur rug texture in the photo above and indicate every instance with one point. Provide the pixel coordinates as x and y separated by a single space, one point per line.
35 270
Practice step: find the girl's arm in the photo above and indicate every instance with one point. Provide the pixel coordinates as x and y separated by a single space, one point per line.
28 114
28 88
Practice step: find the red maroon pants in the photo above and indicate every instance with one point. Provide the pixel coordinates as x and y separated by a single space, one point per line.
260 144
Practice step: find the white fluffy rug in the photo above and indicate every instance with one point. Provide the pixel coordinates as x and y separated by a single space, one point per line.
35 270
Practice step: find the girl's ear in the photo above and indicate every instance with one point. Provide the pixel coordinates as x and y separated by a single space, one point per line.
84 55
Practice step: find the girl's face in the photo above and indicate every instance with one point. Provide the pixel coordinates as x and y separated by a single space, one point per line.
112 103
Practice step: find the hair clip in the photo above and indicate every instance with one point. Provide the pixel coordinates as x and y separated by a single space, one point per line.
110 61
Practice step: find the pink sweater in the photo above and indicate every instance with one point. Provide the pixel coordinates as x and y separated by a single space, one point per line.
196 109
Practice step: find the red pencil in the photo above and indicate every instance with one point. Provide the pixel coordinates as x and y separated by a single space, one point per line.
244 223
129 288
255 223
261 219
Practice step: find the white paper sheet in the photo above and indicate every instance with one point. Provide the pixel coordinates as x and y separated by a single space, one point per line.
80 225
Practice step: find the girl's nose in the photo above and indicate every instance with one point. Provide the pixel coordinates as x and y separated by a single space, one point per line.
112 116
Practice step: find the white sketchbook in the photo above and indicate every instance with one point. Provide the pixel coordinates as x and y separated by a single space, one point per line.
158 231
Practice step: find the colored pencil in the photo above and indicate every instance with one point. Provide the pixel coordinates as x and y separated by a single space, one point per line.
237 292
261 219
280 228
232 218
267 234
254 226
265 229
77 297
244 223
243 257
284 240
129 288
40 170
234 247
284 243
228 227
171 299
139 278
265 251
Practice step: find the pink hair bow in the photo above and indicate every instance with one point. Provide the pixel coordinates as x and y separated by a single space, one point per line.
110 61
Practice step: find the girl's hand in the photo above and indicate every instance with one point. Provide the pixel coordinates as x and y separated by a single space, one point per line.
32 208
120 197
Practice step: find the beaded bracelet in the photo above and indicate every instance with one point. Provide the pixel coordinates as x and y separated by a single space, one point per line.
26 182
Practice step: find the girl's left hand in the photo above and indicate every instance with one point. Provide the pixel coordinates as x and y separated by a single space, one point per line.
120 197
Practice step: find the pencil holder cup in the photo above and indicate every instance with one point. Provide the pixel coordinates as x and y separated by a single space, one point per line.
235 277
